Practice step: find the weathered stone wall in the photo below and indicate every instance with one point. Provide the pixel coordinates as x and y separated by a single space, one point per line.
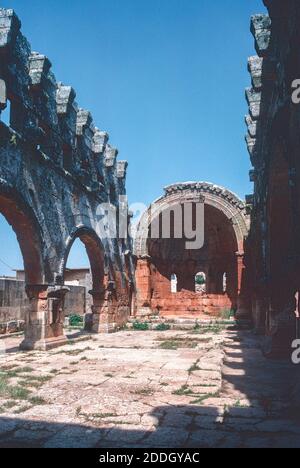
56 172
273 140
74 277
75 301
226 226
14 301
83 278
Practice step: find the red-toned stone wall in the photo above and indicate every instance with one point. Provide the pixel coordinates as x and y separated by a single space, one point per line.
221 254
154 295
188 304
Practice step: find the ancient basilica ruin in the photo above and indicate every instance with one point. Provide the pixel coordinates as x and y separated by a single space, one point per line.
220 260
59 175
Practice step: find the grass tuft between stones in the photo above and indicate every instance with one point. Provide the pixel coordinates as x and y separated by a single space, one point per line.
21 390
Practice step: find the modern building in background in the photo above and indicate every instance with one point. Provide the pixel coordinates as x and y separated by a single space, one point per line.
14 301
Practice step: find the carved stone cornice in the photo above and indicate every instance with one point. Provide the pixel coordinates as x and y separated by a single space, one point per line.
201 188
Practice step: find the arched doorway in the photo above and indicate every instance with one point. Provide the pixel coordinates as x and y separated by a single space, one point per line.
11 259
77 277
159 256
13 300
22 220
97 318
199 272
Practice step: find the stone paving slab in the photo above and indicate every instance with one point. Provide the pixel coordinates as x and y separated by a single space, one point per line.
127 390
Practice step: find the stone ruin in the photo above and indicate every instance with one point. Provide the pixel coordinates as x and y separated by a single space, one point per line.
57 170
273 139
57 174
160 260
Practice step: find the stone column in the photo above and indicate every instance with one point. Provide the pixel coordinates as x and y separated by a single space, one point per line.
281 328
44 317
132 298
243 311
143 286
103 311
259 314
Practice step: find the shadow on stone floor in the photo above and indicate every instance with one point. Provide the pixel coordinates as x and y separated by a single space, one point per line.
248 373
181 427
253 409
27 433
270 417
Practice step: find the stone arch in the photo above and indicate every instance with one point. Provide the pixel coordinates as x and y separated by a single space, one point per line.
17 211
65 169
24 223
225 231
103 287
95 253
213 195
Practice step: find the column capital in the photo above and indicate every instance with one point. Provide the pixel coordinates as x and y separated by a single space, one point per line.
98 293
37 291
239 254
146 257
57 292
44 317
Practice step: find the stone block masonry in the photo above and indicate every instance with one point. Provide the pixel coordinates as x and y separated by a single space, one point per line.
56 171
161 261
14 301
274 145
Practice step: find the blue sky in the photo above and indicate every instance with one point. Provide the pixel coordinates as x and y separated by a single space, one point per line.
165 78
